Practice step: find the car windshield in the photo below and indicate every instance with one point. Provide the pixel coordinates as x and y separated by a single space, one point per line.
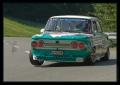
68 25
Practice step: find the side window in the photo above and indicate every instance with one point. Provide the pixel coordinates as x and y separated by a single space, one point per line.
94 26
98 26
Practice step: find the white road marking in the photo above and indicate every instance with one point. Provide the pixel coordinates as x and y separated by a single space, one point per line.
16 46
27 51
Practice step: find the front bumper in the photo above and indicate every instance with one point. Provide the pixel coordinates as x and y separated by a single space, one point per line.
69 55
59 59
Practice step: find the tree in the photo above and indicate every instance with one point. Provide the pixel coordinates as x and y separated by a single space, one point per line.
106 12
40 12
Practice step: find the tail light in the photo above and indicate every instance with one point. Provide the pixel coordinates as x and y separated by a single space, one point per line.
34 43
81 45
78 45
40 43
74 45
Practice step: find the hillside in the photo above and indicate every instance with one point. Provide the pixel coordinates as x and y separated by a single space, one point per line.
20 28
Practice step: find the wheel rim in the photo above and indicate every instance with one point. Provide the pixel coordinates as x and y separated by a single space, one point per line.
93 56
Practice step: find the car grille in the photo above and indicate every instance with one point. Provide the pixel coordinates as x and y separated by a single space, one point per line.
56 45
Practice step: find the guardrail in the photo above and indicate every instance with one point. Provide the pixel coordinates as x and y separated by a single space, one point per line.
111 35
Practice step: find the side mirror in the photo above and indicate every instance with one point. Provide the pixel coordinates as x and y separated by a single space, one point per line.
42 30
95 31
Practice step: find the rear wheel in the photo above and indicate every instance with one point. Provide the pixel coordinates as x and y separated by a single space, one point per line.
34 62
107 55
91 59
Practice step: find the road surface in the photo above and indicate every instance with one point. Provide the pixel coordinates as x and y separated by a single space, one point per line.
16 66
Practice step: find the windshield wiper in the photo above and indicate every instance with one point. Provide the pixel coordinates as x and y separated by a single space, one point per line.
68 31
48 30
54 30
71 31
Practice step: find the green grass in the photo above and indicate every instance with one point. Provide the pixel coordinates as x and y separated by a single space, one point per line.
20 28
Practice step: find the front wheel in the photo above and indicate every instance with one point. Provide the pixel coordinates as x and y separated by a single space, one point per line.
91 58
107 55
34 62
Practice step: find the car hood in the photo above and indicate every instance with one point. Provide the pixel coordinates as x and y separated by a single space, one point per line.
61 35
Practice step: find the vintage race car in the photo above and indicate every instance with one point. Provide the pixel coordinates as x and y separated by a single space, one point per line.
70 38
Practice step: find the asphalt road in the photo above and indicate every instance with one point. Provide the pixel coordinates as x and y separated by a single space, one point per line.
18 68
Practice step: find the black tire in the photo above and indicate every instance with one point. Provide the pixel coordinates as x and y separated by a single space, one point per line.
107 55
34 62
91 58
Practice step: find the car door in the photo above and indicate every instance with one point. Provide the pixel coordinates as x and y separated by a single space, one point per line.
97 38
104 38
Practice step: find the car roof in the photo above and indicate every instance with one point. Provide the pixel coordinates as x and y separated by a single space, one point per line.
75 16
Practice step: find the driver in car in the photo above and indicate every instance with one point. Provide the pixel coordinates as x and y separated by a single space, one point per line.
82 26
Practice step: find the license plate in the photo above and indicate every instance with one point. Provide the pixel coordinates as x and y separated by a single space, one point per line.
57 52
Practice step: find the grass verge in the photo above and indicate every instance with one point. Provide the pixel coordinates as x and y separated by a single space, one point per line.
20 28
